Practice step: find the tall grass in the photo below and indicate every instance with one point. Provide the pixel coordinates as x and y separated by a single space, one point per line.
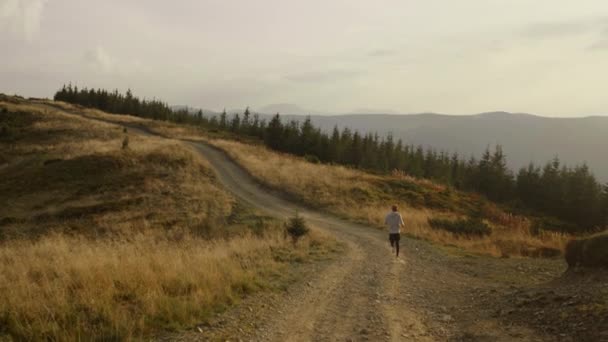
365 198
356 195
73 288
104 243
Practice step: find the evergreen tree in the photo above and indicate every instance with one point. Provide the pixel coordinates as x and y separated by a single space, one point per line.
246 122
334 146
274 133
224 119
235 123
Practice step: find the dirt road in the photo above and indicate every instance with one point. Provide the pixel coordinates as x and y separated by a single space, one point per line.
369 294
357 296
425 295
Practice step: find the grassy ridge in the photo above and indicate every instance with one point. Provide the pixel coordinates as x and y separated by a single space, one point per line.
63 173
365 197
104 242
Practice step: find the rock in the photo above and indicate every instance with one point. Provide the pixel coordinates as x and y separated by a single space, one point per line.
446 318
589 252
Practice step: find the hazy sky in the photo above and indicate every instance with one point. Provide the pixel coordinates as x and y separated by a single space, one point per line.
548 57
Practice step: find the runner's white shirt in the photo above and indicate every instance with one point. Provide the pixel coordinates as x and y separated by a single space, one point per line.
394 221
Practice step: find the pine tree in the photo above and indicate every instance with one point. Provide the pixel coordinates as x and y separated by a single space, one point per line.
333 154
274 133
224 120
235 123
246 122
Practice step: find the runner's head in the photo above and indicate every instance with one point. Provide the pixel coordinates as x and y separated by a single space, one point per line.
394 207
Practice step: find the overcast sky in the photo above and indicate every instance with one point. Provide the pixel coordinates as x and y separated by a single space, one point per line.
548 57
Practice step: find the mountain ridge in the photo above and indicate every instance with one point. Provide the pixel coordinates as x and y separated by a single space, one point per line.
524 137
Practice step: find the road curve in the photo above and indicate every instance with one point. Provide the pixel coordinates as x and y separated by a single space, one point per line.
367 294
355 299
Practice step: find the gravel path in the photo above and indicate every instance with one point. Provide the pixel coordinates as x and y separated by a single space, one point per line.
427 294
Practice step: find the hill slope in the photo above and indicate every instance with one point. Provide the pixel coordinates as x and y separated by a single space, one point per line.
110 235
436 294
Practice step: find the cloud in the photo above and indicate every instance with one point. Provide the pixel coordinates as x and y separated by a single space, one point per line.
566 28
556 29
322 76
382 53
99 59
21 17
599 45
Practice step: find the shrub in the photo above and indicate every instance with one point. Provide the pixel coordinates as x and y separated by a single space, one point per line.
312 159
468 227
296 228
590 252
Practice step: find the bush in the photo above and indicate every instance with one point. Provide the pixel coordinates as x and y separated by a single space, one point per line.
296 228
589 252
468 227
312 159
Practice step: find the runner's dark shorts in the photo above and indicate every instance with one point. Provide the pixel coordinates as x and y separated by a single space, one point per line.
394 237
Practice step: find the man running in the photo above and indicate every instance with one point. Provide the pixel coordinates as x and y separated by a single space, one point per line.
394 222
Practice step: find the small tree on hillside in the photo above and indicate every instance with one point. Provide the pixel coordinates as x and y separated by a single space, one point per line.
296 228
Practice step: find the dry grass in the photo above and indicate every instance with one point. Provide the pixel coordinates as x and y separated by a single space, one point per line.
72 288
104 243
64 172
366 198
355 194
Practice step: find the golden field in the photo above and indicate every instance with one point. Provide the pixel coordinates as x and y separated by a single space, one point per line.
101 241
366 198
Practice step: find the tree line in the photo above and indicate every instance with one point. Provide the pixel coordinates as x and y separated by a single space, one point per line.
571 194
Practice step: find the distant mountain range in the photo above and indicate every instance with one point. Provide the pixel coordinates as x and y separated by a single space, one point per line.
524 137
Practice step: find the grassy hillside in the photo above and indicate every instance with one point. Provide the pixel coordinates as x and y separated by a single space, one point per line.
365 197
110 235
